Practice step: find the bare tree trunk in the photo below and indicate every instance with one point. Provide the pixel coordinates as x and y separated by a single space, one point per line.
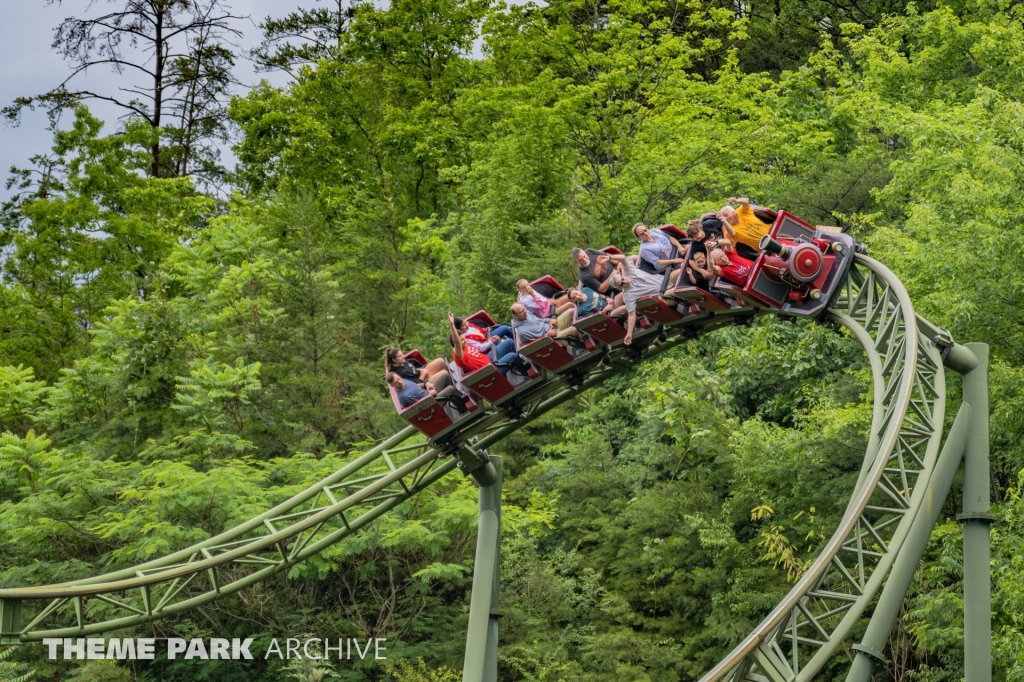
158 85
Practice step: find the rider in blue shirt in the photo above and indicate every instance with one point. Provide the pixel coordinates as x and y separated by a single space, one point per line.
587 301
656 250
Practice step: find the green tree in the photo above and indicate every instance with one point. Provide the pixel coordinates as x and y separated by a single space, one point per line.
303 37
171 365
176 48
87 230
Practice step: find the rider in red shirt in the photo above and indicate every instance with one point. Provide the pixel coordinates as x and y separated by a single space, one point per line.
468 358
731 267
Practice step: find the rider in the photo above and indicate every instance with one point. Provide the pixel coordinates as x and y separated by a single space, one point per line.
529 327
410 392
698 272
595 271
395 361
731 267
656 250
540 305
468 358
741 225
636 284
703 238
497 343
589 302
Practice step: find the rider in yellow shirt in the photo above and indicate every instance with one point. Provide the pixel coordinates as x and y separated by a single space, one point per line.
741 225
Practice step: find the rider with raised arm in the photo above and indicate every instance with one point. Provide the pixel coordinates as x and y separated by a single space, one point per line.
636 284
595 271
741 225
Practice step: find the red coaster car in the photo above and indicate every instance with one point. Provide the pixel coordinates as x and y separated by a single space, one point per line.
656 310
671 229
601 327
428 415
798 266
547 353
693 295
488 382
547 286
742 298
796 270
701 298
481 319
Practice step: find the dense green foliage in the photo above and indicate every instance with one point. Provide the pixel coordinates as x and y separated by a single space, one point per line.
172 363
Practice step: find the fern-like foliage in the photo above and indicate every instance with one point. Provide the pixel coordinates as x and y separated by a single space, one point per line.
20 397
13 672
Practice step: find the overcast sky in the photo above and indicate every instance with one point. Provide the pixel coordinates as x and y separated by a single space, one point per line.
28 66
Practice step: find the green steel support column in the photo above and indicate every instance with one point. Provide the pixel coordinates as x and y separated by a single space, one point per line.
869 651
491 655
10 620
481 663
976 518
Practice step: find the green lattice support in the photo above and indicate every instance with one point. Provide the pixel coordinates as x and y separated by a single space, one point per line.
793 642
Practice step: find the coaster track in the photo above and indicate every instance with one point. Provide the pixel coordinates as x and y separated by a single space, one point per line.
792 643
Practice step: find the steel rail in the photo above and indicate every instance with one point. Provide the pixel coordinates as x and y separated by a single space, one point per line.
872 305
761 655
233 547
